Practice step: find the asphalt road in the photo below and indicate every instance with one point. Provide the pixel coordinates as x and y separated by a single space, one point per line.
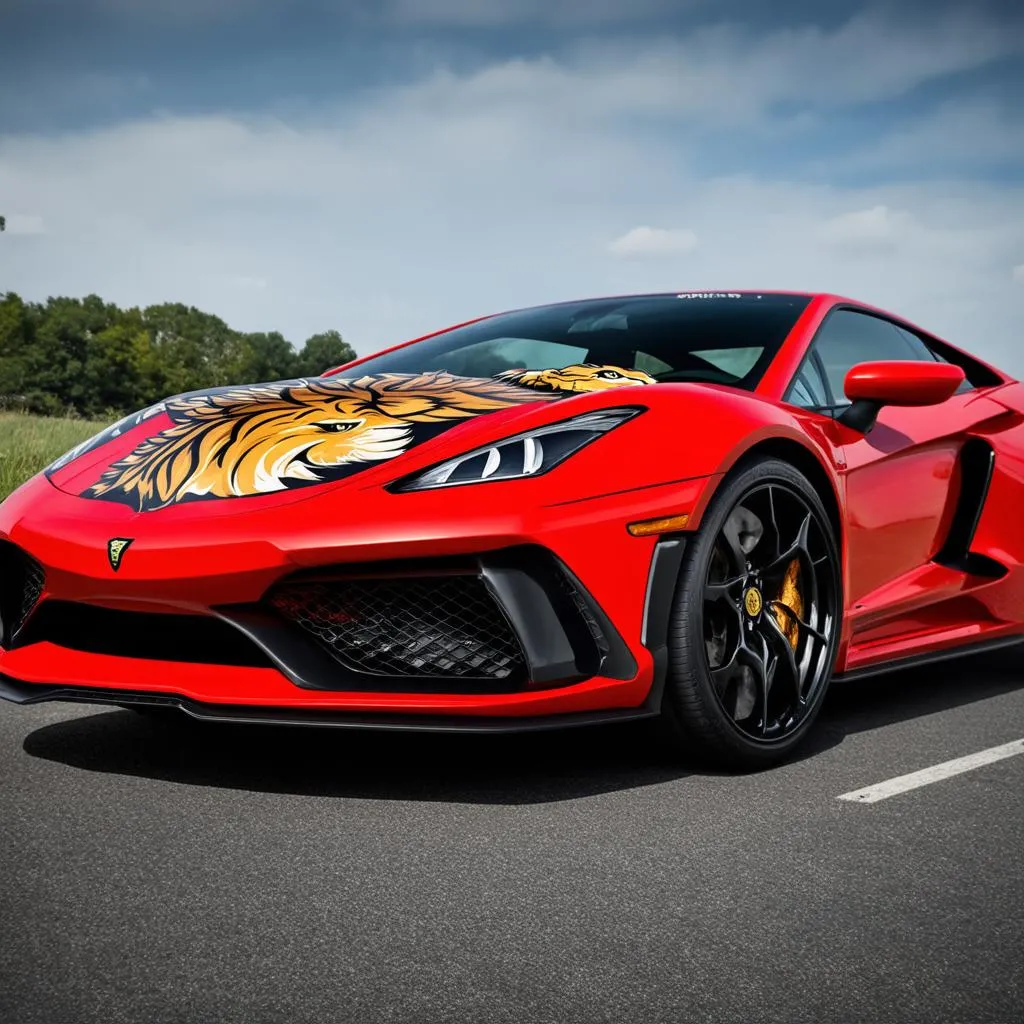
223 874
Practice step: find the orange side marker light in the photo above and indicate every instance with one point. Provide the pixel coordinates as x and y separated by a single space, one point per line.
651 527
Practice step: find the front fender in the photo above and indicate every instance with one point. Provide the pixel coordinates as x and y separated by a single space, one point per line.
695 431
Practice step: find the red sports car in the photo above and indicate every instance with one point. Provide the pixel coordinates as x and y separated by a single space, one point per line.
700 505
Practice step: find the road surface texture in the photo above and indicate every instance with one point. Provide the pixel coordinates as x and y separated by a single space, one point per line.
244 874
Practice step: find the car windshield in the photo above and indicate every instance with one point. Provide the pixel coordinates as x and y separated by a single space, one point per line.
710 337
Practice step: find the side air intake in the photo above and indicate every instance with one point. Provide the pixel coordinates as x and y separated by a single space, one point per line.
977 463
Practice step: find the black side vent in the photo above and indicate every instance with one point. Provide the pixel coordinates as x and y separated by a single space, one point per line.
977 463
595 633
21 585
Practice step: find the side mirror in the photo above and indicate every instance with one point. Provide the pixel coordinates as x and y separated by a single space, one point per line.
870 386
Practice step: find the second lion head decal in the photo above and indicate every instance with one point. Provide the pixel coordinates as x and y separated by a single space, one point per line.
579 378
238 442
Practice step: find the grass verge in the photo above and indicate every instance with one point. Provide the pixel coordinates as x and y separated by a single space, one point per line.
30 443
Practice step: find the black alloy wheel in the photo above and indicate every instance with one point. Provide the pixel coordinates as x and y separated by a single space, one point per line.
756 621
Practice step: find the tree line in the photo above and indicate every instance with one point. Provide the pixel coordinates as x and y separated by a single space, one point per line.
90 358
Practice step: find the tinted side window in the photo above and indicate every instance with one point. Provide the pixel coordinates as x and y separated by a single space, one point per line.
916 340
916 344
848 338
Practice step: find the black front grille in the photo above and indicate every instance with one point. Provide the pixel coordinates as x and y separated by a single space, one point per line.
444 626
195 639
21 585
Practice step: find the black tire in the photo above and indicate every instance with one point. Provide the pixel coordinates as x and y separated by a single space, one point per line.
720 706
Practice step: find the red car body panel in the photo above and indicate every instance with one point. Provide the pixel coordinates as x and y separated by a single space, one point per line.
894 490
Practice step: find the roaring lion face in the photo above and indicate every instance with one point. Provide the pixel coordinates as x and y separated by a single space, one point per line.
581 377
256 440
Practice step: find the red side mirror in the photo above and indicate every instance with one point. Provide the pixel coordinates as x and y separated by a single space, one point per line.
869 386
903 383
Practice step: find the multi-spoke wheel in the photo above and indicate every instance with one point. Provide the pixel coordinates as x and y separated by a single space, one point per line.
756 619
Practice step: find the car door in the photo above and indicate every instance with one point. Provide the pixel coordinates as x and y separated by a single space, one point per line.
902 477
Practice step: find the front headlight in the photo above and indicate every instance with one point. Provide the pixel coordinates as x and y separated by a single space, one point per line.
527 454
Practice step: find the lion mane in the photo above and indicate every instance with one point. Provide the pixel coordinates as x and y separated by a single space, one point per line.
265 438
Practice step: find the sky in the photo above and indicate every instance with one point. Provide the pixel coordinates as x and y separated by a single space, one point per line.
389 167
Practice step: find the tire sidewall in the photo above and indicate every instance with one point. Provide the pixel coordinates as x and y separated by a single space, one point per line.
689 677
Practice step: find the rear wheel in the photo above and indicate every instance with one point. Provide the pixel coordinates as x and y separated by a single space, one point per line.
756 620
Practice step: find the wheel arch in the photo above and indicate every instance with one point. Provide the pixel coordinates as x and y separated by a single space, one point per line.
737 428
801 458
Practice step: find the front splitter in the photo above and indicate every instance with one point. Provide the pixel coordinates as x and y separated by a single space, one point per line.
31 693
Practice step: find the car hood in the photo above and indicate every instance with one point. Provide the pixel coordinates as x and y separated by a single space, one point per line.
285 436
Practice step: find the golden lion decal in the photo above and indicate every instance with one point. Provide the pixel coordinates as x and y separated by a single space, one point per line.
578 378
238 442
256 440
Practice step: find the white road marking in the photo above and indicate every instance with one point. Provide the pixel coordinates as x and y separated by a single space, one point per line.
938 772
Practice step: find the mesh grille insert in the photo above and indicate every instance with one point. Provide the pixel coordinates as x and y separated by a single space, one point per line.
21 585
32 588
415 626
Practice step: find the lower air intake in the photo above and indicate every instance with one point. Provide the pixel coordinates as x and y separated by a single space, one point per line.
437 626
152 636
21 585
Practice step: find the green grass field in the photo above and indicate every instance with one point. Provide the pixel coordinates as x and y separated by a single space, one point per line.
30 443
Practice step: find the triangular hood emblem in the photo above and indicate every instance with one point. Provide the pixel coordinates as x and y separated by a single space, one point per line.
116 549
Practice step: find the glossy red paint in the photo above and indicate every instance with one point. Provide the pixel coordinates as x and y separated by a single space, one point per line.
895 492
903 383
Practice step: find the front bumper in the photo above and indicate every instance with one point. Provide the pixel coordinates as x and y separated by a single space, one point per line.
221 568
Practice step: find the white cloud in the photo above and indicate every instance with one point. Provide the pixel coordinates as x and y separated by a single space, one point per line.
24 224
959 134
465 194
719 74
878 54
875 229
646 242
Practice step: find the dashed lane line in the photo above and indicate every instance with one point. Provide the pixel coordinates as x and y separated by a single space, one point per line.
938 772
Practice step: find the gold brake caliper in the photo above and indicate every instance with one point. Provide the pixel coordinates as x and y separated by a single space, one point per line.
789 600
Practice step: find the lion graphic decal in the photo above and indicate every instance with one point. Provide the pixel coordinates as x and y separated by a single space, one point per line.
237 442
581 377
